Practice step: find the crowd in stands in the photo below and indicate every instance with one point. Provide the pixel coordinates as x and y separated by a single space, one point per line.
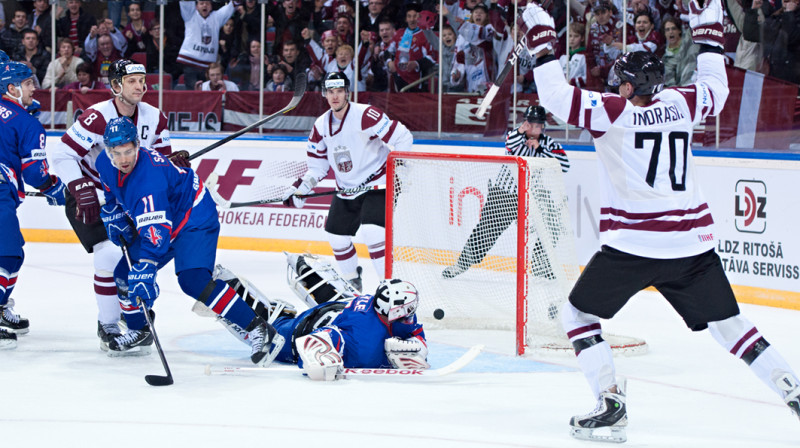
217 45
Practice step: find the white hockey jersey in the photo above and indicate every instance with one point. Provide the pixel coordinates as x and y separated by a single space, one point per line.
201 42
653 206
355 148
74 156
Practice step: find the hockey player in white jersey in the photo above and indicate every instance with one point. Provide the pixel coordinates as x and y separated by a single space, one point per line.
354 140
74 158
655 225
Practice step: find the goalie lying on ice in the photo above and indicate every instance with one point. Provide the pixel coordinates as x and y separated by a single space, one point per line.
340 330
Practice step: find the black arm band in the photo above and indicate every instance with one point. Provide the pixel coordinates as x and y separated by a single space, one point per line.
47 184
705 48
545 59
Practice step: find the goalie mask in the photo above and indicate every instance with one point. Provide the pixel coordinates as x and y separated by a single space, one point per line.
396 299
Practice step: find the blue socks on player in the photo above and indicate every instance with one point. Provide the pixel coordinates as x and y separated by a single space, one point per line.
217 296
9 268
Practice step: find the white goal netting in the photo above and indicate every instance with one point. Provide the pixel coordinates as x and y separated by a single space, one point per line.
487 240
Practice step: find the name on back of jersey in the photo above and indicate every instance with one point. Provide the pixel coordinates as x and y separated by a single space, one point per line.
657 114
6 114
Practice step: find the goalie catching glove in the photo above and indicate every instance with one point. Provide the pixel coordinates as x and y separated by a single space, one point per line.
407 353
303 185
705 18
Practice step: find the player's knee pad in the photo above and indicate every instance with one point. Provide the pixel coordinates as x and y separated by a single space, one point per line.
321 353
10 265
194 281
106 257
740 337
583 329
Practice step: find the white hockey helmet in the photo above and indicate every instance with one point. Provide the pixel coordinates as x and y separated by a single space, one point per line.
396 299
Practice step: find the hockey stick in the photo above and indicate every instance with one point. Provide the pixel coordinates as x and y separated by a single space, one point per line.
211 182
522 45
299 90
153 380
453 367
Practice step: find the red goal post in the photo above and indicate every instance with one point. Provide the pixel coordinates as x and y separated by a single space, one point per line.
499 223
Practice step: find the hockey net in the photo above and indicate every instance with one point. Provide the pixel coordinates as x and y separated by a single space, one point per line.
480 261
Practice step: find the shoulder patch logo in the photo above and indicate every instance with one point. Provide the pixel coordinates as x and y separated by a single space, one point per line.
154 236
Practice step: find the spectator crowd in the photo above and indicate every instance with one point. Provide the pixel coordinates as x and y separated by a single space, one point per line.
216 45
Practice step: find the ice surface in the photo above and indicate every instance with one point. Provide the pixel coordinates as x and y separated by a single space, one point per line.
58 389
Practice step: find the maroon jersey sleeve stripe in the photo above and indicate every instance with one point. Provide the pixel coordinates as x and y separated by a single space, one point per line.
390 132
80 150
575 107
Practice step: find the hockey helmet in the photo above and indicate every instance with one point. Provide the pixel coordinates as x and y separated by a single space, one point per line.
13 73
396 299
119 131
535 114
335 80
644 70
121 68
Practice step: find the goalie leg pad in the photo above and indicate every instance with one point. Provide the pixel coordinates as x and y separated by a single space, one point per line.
264 307
409 353
315 281
321 354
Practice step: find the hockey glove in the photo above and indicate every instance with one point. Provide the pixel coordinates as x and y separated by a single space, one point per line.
118 224
541 30
85 194
142 286
705 18
406 353
303 185
180 159
55 192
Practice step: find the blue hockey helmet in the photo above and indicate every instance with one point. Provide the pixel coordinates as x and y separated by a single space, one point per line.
119 131
13 73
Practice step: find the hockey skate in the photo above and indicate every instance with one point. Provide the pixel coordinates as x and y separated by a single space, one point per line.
454 270
11 321
356 282
791 390
265 341
106 333
608 420
132 343
8 340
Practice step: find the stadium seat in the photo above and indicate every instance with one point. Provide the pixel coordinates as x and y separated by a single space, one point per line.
152 81
140 57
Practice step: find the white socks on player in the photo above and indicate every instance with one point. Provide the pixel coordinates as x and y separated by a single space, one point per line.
596 361
106 257
737 335
375 238
345 254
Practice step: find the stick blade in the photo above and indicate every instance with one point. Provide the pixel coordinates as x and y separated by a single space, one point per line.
487 100
299 90
158 380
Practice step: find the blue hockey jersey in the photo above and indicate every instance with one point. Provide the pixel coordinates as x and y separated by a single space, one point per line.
22 153
364 332
162 199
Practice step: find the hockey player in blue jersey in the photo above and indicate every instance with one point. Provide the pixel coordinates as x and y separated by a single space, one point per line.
379 331
22 158
163 211
35 105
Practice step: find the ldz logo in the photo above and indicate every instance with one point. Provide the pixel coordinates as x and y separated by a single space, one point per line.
751 202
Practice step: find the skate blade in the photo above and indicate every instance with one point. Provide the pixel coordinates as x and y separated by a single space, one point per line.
104 346
19 331
602 434
8 344
136 351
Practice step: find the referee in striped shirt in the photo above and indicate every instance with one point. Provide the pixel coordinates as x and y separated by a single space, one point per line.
500 210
